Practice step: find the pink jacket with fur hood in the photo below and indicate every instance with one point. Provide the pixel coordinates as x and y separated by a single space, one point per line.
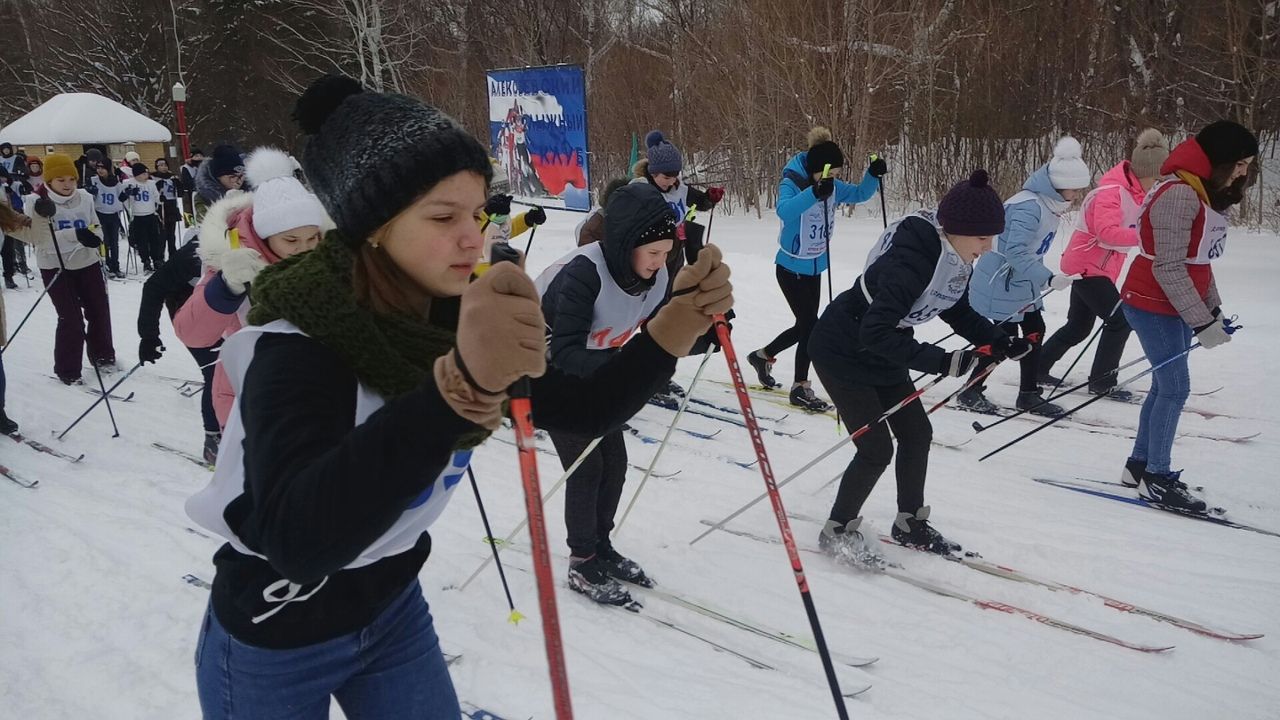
214 311
1107 227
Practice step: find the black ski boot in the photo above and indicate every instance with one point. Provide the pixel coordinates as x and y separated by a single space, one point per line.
762 365
623 568
7 426
590 576
9 283
914 531
974 400
1033 402
802 397
846 544
1047 380
1169 492
1132 473
1116 394
212 439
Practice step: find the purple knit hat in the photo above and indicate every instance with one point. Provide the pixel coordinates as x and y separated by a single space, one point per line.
971 207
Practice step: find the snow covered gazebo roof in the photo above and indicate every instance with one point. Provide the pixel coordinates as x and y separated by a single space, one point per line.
82 118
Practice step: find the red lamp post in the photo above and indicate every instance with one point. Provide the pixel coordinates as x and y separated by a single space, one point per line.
180 101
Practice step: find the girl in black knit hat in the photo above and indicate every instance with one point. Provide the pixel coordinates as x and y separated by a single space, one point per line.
863 347
369 370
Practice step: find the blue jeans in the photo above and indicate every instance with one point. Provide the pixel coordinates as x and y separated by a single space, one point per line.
391 669
1162 337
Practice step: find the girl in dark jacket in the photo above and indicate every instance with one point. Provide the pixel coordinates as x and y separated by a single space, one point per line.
863 348
370 369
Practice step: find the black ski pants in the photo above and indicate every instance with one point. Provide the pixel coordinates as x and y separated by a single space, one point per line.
860 404
803 294
1091 298
593 491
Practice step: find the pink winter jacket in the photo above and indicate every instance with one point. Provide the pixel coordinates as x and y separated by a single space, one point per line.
214 312
1100 248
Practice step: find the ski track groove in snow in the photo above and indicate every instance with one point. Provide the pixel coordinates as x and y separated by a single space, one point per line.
95 620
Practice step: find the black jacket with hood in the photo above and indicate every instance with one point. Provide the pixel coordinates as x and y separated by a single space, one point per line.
863 343
569 301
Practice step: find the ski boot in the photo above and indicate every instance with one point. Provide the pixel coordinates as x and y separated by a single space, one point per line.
914 531
1047 380
974 400
590 576
107 367
802 397
622 568
1116 394
212 439
1132 473
762 365
1167 491
7 426
1033 402
846 544
9 283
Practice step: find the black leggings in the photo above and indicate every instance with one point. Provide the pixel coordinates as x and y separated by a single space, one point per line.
803 293
1032 327
1091 298
859 404
592 493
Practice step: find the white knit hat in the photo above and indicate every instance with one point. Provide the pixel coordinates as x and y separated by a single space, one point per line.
1067 170
280 202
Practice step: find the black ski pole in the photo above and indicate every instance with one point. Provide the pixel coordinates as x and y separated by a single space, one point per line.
115 429
826 233
95 402
34 305
1094 399
1086 347
529 244
979 427
515 617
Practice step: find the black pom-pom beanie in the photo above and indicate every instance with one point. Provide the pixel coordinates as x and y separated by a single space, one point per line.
370 155
972 207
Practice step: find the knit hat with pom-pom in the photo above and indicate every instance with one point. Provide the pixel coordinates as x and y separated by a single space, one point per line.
972 207
404 148
1067 170
822 151
280 202
1149 153
664 158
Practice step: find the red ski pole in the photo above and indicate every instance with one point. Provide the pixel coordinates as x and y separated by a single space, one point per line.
522 418
779 512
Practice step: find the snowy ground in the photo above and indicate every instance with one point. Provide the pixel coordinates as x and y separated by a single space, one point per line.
96 621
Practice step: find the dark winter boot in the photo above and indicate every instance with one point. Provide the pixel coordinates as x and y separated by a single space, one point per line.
71 381
914 531
1118 395
1132 473
212 439
846 544
1033 402
7 426
623 568
590 576
9 283
107 366
802 397
974 400
1047 380
762 365
1169 492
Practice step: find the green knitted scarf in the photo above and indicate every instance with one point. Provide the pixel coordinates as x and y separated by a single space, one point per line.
391 354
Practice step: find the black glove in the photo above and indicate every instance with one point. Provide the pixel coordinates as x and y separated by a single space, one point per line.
150 350
959 362
1013 348
498 205
26 188
129 192
824 188
536 216
45 208
878 167
88 238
